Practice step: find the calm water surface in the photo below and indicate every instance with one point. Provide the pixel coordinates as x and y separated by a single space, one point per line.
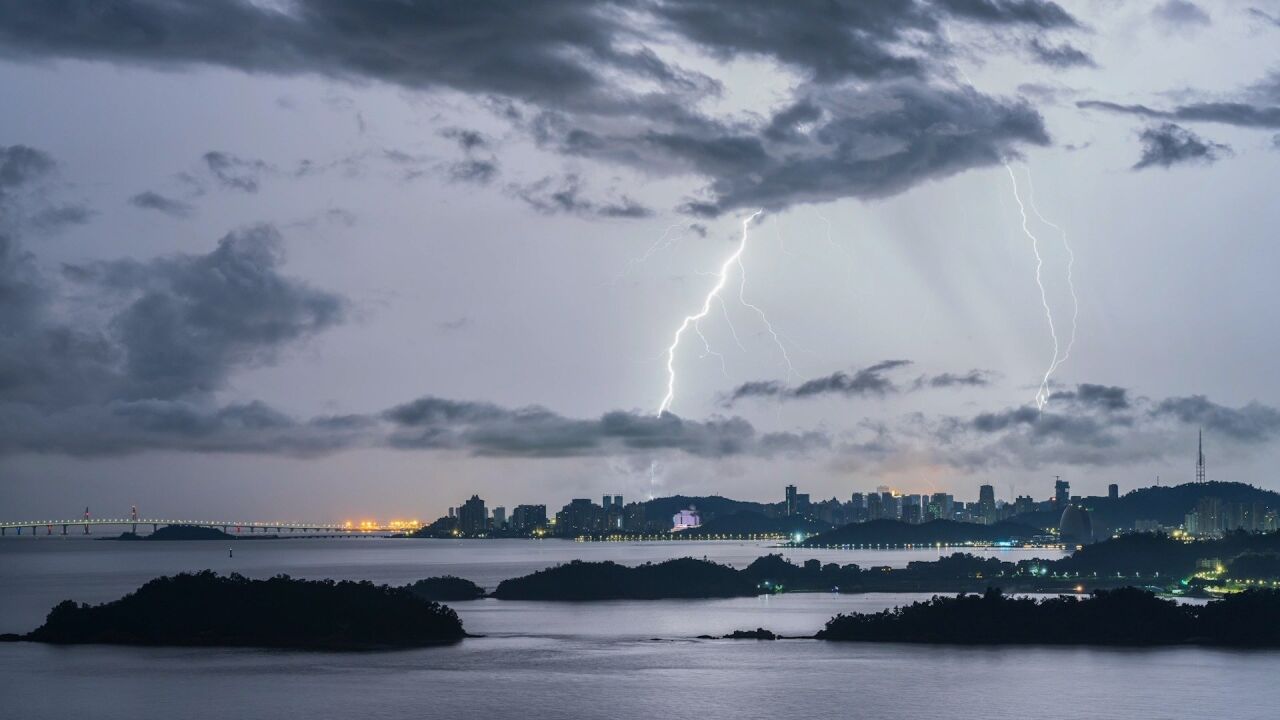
625 659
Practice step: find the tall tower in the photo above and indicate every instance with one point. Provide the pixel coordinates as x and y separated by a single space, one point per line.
1200 460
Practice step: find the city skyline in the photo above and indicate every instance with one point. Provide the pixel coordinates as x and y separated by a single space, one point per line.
932 245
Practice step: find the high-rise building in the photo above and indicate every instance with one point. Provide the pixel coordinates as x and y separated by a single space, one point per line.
890 508
633 518
580 515
613 512
1113 491
1061 493
499 517
941 506
912 509
529 518
875 509
472 518
987 503
1024 504
791 500
1209 516
606 502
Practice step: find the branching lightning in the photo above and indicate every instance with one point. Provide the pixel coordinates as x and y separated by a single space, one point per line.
1042 394
1071 261
691 321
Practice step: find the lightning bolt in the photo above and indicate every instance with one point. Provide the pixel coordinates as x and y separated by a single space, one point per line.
1071 261
1042 394
691 321
665 241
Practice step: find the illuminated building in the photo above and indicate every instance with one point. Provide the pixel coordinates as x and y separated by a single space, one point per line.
685 520
528 518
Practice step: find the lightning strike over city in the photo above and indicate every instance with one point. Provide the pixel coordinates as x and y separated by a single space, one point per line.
722 278
663 329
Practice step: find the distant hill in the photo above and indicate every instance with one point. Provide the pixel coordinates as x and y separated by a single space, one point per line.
754 523
709 507
894 532
578 581
1166 505
181 532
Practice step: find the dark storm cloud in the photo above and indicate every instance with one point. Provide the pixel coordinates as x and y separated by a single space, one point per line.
480 172
578 68
189 319
1059 56
1040 13
869 381
1180 13
53 219
149 200
553 195
1265 16
973 378
1106 397
866 381
122 427
487 429
1168 145
21 165
557 51
235 172
135 368
1257 106
870 142
1093 425
1228 113
1252 423
468 140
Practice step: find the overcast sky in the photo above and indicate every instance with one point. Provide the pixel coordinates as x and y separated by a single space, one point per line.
346 258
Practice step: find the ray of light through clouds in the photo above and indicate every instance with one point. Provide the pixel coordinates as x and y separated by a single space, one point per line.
385 253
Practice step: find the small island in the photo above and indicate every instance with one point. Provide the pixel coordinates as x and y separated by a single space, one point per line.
183 532
446 589
207 609
1124 616
579 581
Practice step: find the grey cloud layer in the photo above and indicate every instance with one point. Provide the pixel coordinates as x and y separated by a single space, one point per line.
136 368
490 430
150 200
21 165
583 79
869 381
1258 106
1097 425
1168 145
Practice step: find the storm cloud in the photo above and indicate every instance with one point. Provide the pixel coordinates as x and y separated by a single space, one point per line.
1168 145
486 429
575 68
872 381
149 200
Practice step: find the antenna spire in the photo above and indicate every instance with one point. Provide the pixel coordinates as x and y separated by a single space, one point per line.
1200 459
